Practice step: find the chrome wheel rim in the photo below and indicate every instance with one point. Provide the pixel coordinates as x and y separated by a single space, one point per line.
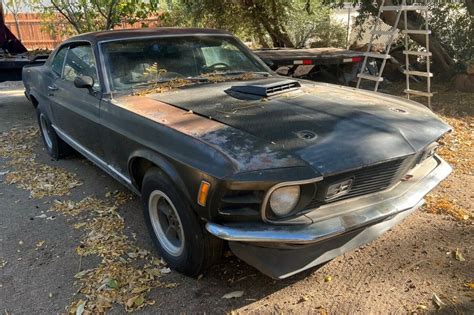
45 131
166 223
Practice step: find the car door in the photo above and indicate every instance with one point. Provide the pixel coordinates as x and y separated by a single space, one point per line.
76 110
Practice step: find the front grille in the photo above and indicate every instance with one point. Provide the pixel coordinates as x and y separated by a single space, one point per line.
366 180
241 203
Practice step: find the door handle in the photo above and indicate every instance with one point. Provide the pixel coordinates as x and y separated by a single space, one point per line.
51 89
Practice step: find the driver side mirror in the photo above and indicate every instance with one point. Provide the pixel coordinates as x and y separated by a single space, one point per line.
84 82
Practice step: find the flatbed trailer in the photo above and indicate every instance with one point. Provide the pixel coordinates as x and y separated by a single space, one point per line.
13 55
12 65
320 64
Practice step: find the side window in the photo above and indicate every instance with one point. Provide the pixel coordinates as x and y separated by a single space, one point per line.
80 62
58 61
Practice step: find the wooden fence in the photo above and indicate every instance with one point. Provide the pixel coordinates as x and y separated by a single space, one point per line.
31 31
34 35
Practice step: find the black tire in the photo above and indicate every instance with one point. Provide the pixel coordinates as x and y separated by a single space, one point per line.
54 145
199 249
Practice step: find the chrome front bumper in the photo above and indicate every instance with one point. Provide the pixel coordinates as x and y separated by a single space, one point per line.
280 251
340 217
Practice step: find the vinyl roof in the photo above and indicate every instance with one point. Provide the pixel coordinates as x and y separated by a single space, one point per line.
141 32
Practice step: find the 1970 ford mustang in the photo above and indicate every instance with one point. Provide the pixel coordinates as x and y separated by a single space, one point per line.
290 173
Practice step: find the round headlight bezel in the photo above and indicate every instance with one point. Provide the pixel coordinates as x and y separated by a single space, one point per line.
284 200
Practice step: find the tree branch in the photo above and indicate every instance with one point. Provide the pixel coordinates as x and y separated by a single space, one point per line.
66 16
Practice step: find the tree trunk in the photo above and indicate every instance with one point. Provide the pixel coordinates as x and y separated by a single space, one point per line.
269 21
442 60
15 17
17 26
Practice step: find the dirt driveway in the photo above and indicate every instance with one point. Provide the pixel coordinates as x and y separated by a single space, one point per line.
48 252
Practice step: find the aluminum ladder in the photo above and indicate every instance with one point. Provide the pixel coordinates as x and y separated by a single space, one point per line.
403 8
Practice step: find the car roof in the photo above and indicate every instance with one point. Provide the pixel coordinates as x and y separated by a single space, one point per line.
144 32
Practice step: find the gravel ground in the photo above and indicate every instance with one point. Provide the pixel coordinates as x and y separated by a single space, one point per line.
398 273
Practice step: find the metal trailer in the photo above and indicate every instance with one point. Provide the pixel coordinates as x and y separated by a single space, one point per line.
13 55
328 64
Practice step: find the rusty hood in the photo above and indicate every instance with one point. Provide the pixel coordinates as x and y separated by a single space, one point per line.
330 127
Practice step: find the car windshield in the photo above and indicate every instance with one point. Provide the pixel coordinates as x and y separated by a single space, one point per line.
134 63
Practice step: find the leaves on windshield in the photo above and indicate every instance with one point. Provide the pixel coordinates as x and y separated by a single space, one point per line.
158 86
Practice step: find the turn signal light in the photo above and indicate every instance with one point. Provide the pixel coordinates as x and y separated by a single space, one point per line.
203 192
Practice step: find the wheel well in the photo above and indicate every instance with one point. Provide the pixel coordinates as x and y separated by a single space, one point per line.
34 101
138 169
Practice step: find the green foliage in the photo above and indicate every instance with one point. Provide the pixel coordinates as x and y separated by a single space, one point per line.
82 16
454 26
309 24
265 22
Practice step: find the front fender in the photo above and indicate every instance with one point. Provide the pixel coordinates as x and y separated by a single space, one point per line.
161 162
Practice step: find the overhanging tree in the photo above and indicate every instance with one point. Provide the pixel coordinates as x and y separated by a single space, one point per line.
95 15
277 23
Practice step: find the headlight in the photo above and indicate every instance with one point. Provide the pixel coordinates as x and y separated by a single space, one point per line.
284 199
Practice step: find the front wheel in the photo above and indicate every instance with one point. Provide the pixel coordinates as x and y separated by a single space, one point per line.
177 232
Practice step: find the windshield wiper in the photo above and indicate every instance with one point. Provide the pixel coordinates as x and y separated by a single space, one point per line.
262 73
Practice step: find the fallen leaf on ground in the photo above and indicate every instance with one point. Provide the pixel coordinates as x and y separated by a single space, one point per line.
444 205
437 301
103 230
421 307
458 255
79 225
112 283
40 179
139 301
233 295
82 273
80 307
303 299
327 279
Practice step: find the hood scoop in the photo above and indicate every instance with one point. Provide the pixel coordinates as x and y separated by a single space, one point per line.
264 88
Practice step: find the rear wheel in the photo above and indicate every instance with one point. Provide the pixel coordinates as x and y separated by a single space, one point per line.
177 232
54 145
